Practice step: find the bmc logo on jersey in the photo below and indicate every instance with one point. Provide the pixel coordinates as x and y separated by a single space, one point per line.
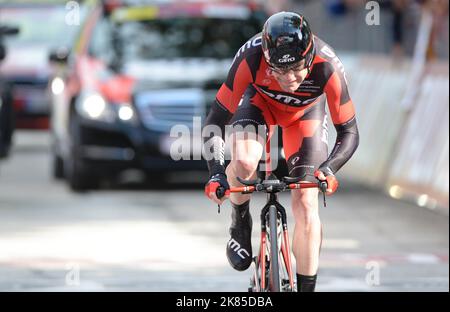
287 99
308 82
328 52
251 43
286 59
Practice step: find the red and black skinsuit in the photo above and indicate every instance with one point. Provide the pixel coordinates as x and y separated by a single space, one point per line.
251 95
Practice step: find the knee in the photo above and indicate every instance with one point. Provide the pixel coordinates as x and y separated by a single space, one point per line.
245 155
305 208
306 200
245 167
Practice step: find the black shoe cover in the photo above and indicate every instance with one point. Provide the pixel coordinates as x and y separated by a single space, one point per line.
239 247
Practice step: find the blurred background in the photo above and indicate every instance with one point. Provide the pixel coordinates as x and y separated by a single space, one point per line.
91 200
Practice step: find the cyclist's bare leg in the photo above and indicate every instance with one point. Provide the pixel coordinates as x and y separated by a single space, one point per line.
307 232
246 151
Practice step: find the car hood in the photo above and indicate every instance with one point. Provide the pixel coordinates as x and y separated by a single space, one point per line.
26 61
179 72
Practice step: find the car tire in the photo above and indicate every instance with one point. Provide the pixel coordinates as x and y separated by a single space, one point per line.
57 167
79 176
6 119
56 161
155 179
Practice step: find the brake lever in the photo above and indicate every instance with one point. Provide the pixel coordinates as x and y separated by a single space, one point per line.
220 192
323 188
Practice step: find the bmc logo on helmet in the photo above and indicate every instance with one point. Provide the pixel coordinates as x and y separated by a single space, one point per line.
286 59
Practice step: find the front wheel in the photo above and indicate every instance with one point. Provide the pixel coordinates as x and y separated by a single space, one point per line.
274 265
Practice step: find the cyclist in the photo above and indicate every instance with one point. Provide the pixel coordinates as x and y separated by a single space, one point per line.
282 76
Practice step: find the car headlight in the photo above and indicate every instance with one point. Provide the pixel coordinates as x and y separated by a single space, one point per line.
95 107
57 86
125 113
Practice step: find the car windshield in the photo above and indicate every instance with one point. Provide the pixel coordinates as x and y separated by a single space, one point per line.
44 25
183 38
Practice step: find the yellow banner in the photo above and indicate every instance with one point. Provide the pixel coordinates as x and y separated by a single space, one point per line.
135 14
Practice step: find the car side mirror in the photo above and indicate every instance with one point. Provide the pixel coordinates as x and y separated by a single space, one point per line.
60 56
2 52
6 31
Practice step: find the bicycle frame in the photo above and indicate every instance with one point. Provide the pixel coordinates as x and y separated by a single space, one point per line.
277 221
273 216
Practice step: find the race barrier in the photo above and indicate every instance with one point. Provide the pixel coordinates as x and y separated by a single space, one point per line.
404 137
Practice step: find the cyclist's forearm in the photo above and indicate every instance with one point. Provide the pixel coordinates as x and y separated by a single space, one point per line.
214 142
347 141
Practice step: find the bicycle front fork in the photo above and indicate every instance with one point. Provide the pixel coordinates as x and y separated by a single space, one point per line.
280 242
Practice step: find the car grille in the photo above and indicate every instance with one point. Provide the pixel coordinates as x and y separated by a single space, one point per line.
32 95
161 110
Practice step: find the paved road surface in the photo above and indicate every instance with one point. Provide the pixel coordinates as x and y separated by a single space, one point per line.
132 238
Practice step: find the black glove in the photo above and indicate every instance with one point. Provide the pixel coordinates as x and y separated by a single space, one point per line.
217 184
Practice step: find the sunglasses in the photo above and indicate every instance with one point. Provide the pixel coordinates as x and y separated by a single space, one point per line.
284 70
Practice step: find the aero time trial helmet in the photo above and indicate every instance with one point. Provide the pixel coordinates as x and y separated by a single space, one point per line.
286 40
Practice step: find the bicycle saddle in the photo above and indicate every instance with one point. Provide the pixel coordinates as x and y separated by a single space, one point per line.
249 182
294 179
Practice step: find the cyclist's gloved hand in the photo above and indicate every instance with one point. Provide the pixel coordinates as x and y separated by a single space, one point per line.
217 183
325 174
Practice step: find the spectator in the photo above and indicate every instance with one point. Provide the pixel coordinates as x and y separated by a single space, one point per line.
439 11
398 8
274 6
336 7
